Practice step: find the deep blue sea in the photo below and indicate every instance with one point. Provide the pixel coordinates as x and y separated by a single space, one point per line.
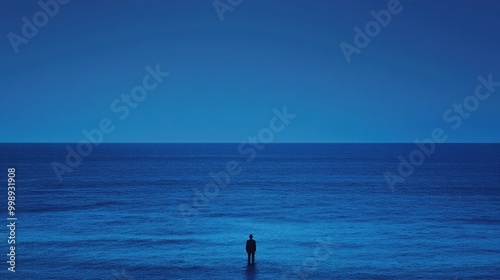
317 211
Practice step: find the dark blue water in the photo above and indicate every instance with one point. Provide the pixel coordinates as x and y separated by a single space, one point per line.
317 211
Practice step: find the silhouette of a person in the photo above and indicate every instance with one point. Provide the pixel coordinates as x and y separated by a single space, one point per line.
251 248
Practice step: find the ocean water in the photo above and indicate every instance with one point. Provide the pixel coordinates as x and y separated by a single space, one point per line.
317 211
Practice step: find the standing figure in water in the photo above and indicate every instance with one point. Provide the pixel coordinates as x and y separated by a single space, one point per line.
251 248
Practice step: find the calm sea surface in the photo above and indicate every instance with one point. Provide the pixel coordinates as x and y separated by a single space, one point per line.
317 211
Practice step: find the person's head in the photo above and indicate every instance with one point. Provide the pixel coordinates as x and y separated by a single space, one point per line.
251 236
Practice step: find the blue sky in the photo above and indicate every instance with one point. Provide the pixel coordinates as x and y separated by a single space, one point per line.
227 76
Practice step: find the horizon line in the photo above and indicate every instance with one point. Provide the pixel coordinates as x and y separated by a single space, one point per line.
157 142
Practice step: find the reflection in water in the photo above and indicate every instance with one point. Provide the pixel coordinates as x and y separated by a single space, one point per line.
250 272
